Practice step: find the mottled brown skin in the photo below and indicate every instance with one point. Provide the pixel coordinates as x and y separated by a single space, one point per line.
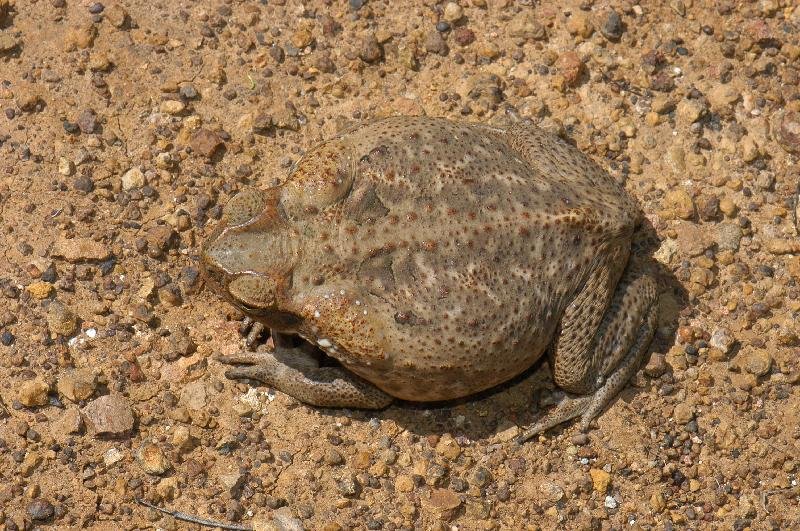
435 259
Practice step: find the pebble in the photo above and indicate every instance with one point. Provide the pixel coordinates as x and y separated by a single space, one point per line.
758 362
404 483
33 393
76 384
65 167
722 97
678 204
349 486
683 413
301 38
464 36
172 107
133 179
83 183
435 43
722 339
552 492
656 365
205 142
579 24
570 66
188 91
787 132
610 502
87 121
580 439
117 15
601 480
727 236
109 415
152 459
448 447
61 320
611 28
78 250
445 502
40 290
371 51
453 12
40 510
112 456
689 111
8 43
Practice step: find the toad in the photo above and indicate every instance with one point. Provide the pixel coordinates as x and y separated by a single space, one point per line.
434 259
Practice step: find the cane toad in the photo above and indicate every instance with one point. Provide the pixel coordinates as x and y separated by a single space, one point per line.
435 259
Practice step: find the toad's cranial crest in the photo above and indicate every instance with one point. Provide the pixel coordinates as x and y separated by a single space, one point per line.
436 259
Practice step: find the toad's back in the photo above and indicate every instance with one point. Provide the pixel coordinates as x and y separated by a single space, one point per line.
475 237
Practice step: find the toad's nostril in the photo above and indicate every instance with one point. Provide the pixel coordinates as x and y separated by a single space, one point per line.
244 206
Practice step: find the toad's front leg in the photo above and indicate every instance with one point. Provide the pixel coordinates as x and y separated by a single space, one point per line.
296 372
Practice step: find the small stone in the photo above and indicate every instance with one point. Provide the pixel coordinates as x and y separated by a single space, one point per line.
40 510
570 66
488 50
657 502
109 415
8 43
65 167
205 142
112 456
172 107
61 320
83 183
683 413
453 12
464 36
445 502
68 423
34 393
80 37
448 447
728 207
133 179
525 26
656 365
610 502
552 492
787 133
758 362
282 520
152 459
81 250
40 290
722 97
601 480
579 439
435 43
76 384
580 25
678 204
722 339
371 51
349 486
611 27
302 38
689 111
87 121
404 483
188 91
728 236
749 149
117 15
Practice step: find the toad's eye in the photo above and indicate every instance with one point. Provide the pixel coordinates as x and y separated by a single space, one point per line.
253 292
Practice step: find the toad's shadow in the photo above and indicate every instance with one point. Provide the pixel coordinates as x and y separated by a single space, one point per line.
523 399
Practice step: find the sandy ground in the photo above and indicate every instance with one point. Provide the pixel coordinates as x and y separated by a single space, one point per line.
126 126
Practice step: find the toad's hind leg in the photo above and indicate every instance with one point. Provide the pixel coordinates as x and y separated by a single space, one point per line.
295 371
609 357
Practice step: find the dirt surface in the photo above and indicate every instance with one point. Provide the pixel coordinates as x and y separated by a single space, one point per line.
126 126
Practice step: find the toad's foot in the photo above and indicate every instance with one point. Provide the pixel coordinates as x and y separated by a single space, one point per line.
296 373
621 344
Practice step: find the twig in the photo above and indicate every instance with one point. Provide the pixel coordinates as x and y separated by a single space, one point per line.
194 519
